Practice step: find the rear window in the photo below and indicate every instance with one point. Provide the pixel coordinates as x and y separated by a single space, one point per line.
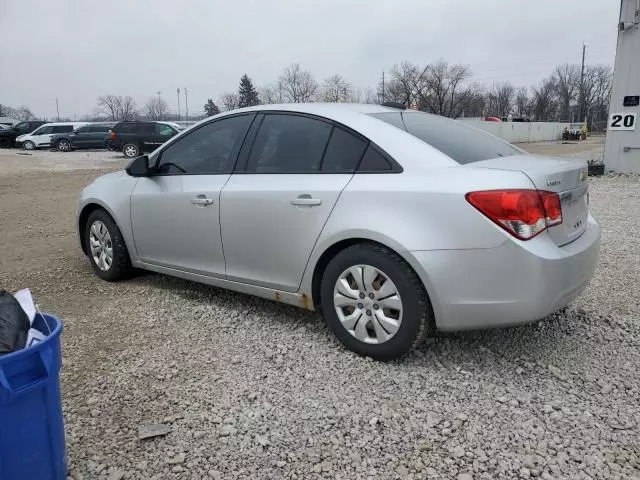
461 142
137 127
62 129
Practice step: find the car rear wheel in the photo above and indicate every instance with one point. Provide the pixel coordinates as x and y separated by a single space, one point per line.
374 303
130 150
29 145
64 146
5 143
106 248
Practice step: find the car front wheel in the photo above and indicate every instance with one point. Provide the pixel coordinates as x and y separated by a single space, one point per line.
106 248
29 145
374 303
131 150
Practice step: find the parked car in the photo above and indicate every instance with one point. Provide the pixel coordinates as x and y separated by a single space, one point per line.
8 136
392 223
135 138
93 135
41 137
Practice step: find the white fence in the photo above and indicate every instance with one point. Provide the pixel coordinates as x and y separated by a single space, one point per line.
515 132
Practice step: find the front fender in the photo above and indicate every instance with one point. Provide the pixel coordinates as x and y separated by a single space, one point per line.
111 192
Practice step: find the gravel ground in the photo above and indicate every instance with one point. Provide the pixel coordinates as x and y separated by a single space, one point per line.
253 389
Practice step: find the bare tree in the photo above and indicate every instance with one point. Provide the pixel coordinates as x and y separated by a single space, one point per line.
117 108
271 93
370 96
404 83
522 103
596 92
156 108
500 99
230 101
336 89
394 91
298 85
128 108
544 100
443 90
566 80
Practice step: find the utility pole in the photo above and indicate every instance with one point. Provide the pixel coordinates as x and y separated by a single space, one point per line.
57 109
580 112
186 105
178 90
159 110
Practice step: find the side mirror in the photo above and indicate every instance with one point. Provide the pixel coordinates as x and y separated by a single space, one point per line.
139 167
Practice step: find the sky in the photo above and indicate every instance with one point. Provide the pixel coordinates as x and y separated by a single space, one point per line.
76 50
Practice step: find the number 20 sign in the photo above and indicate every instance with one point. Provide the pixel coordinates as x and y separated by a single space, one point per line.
622 121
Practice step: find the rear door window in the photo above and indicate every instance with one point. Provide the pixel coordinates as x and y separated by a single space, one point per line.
164 130
62 129
374 162
343 152
461 142
289 144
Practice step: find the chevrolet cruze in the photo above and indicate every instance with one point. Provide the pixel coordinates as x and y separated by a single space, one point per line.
393 223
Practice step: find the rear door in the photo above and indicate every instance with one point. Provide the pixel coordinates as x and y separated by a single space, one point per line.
273 210
82 137
160 134
175 214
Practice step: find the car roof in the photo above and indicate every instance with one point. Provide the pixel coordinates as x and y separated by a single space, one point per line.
322 109
57 124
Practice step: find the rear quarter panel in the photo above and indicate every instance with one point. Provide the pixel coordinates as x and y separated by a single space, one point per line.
415 212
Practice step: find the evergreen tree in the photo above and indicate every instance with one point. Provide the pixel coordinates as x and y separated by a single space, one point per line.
211 108
248 96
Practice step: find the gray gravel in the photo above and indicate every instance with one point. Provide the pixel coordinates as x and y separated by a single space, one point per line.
248 388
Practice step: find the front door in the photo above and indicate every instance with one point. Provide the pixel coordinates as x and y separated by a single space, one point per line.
41 137
274 211
175 213
82 137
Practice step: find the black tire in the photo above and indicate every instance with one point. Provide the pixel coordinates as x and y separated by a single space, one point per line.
131 150
121 265
64 146
29 145
417 318
5 142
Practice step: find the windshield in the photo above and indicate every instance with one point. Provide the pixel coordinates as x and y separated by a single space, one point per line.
462 143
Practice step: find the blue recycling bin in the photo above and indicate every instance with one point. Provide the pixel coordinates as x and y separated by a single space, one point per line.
32 444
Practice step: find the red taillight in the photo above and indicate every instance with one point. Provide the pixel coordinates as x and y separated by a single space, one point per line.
523 213
113 135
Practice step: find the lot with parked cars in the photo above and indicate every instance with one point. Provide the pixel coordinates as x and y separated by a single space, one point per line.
251 388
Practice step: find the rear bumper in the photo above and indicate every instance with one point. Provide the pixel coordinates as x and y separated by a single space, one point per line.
517 282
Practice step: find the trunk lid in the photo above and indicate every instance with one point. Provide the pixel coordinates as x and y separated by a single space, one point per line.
565 176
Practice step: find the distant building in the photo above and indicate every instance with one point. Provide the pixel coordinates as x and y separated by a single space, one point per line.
622 145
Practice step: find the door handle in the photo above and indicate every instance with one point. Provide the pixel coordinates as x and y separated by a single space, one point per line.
306 200
202 200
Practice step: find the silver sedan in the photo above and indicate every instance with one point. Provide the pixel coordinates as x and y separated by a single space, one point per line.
393 223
